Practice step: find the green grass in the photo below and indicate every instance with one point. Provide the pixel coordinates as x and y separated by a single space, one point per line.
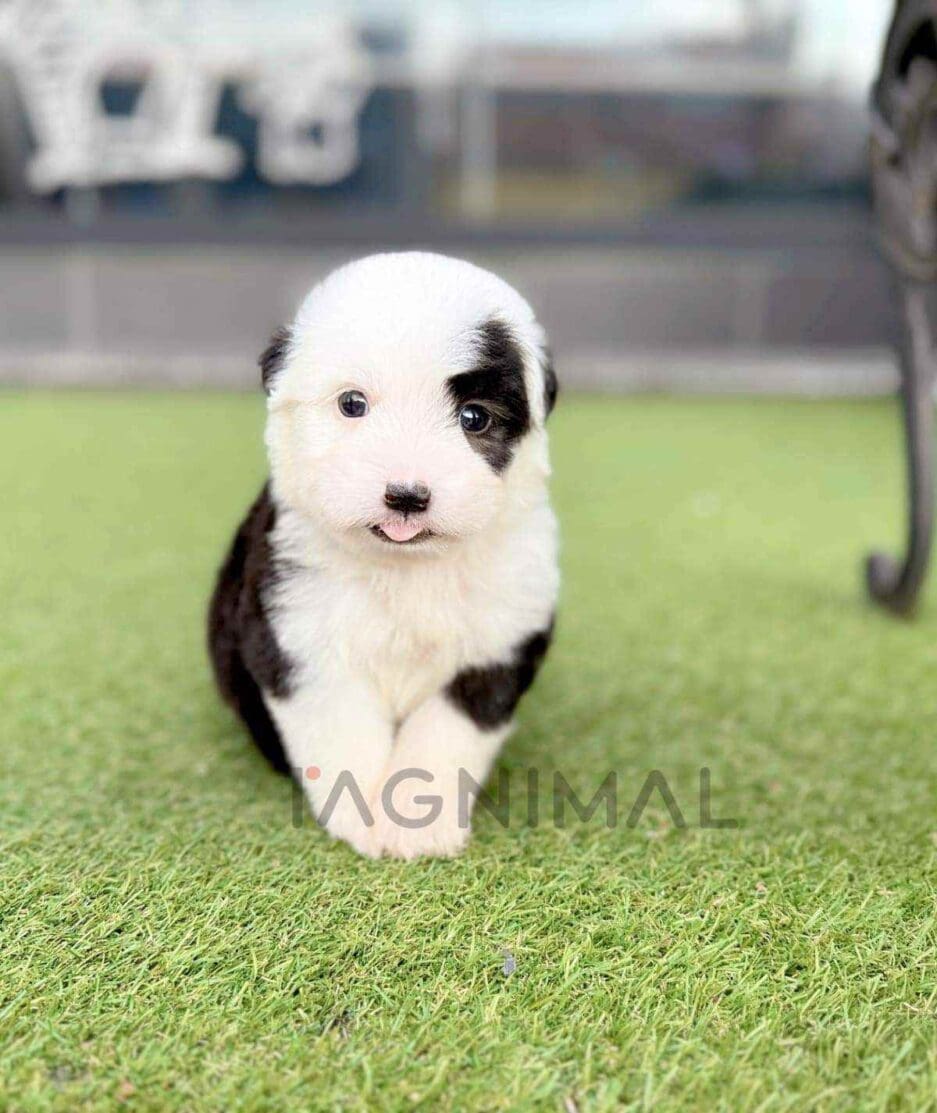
170 940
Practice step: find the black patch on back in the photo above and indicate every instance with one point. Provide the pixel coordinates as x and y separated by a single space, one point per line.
550 385
244 652
490 694
497 383
273 356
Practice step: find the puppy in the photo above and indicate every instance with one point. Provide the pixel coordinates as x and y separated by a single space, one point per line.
390 595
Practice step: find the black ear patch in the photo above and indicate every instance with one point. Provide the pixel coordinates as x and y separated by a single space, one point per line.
273 356
550 385
496 383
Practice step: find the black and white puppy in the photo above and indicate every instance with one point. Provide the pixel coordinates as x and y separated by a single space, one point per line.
390 594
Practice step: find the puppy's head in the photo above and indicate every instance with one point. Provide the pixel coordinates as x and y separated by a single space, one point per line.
407 404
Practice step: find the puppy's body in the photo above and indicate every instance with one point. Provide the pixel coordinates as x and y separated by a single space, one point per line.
360 628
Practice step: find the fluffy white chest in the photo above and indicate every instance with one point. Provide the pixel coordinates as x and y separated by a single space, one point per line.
409 639
410 628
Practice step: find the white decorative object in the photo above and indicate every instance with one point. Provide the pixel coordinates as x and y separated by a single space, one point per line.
64 51
307 97
307 91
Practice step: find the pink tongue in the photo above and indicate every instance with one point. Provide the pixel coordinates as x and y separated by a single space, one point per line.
401 529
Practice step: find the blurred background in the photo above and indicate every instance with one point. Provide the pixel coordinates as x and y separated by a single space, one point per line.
680 188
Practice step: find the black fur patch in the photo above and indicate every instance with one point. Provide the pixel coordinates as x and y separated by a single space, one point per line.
273 356
550 385
489 695
241 643
497 383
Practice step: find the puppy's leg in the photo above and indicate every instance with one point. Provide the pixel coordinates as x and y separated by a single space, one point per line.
338 739
433 745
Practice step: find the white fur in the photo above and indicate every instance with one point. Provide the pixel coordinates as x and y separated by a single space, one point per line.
376 631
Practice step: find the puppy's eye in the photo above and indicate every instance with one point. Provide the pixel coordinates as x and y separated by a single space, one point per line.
474 418
353 403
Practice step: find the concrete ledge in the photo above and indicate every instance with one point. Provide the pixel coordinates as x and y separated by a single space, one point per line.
803 321
791 372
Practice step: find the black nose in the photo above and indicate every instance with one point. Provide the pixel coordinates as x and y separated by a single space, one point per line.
408 498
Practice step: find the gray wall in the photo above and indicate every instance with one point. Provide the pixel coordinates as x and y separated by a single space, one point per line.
813 318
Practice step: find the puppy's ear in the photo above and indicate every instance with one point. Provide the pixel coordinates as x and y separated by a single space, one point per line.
273 357
550 385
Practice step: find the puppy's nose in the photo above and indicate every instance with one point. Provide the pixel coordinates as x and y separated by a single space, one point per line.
408 498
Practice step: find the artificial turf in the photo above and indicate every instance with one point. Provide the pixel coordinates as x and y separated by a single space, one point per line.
171 939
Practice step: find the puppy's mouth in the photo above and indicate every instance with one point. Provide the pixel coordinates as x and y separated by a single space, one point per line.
401 531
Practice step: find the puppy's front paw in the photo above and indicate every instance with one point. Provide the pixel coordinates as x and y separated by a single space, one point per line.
438 839
347 825
407 830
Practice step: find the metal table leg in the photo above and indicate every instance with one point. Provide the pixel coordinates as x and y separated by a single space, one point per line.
896 586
